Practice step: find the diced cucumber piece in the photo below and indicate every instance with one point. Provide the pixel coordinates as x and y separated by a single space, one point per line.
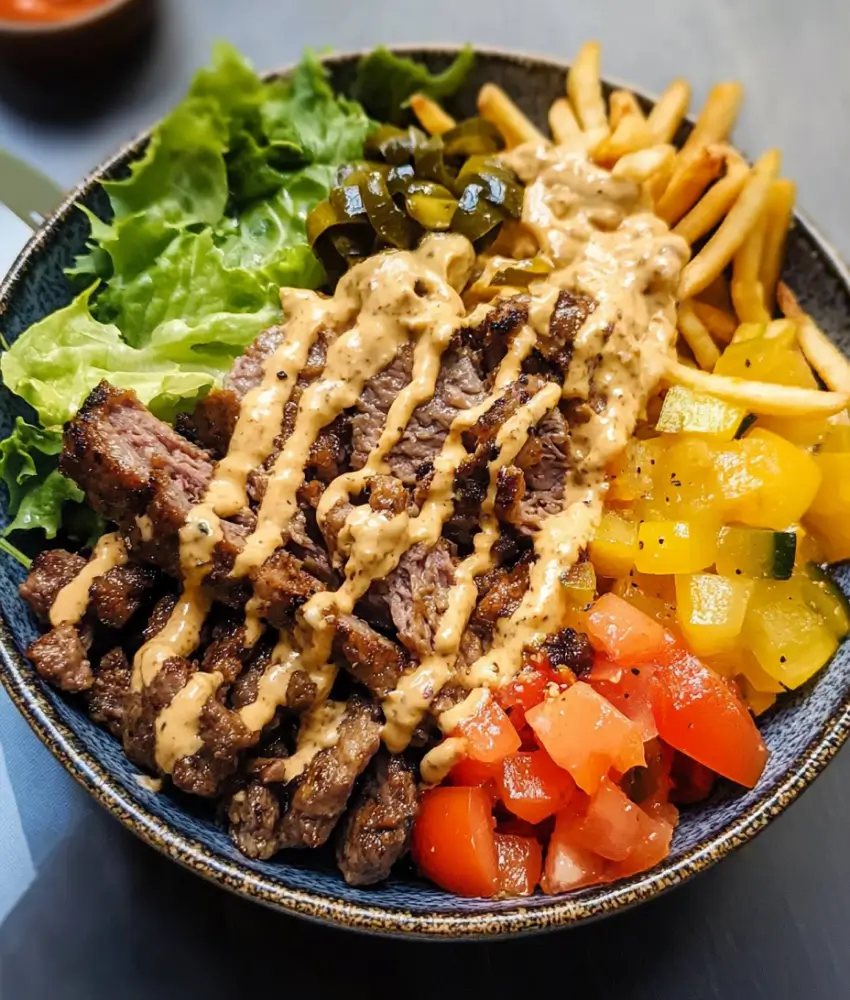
745 425
758 553
823 595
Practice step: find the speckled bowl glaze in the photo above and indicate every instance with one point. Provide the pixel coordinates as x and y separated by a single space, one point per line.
803 732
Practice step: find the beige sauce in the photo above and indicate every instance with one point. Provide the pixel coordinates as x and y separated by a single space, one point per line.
318 731
177 725
179 637
72 600
438 762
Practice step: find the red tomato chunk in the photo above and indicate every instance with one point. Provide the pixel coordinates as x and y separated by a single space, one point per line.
520 864
623 632
453 842
533 787
489 734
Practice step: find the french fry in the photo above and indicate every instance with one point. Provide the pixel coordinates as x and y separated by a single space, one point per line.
584 89
780 208
820 352
621 104
715 203
644 164
719 323
669 111
717 294
495 106
562 121
747 290
724 244
630 135
748 331
760 397
658 184
716 119
697 337
686 186
430 115
782 329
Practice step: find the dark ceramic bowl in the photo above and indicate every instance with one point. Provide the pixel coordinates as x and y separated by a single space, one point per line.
803 732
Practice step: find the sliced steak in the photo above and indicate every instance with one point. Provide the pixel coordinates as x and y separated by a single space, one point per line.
224 736
418 593
254 813
372 659
117 595
544 462
51 571
226 652
490 337
143 707
569 648
213 421
61 658
379 394
505 589
570 312
323 790
246 373
377 828
107 696
281 586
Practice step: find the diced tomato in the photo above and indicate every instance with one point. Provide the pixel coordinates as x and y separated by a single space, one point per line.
623 632
526 689
453 841
611 825
532 786
697 714
652 845
520 862
569 866
692 781
584 734
519 828
629 690
489 734
474 774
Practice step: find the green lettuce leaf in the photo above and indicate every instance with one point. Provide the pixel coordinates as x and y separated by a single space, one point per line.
385 81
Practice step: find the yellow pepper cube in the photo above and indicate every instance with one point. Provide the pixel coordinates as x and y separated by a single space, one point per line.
580 584
767 359
710 610
829 513
790 641
766 481
666 547
684 479
688 412
614 546
630 474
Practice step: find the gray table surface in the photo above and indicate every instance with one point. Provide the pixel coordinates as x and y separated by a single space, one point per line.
108 917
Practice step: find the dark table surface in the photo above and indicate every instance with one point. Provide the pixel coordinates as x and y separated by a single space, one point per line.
104 916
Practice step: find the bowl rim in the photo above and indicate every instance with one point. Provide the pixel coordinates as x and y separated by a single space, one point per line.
11 26
561 911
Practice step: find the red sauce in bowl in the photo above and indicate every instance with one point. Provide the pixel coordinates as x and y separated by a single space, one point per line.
46 10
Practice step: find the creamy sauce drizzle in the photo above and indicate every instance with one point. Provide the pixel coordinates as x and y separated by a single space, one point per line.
177 725
318 731
72 600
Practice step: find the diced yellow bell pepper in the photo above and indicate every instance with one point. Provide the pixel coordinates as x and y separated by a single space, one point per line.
669 547
686 411
767 359
790 641
823 596
765 481
630 475
837 436
580 584
614 546
803 433
684 480
654 595
829 513
710 610
758 702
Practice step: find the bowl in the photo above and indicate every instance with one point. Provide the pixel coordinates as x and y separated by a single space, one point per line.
48 49
803 732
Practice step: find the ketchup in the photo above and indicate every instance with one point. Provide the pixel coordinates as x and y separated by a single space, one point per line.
46 10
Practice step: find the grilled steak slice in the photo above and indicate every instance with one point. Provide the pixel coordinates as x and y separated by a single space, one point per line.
569 648
159 616
490 337
226 652
418 594
388 496
323 790
50 572
505 589
142 708
224 736
544 462
254 813
213 421
373 660
568 316
377 397
282 586
117 595
377 828
60 657
108 694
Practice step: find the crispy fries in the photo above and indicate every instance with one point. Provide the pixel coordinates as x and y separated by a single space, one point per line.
719 323
644 164
622 104
716 119
562 121
826 359
697 337
687 185
723 246
716 201
584 89
670 110
760 397
430 115
630 135
747 290
780 209
495 106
